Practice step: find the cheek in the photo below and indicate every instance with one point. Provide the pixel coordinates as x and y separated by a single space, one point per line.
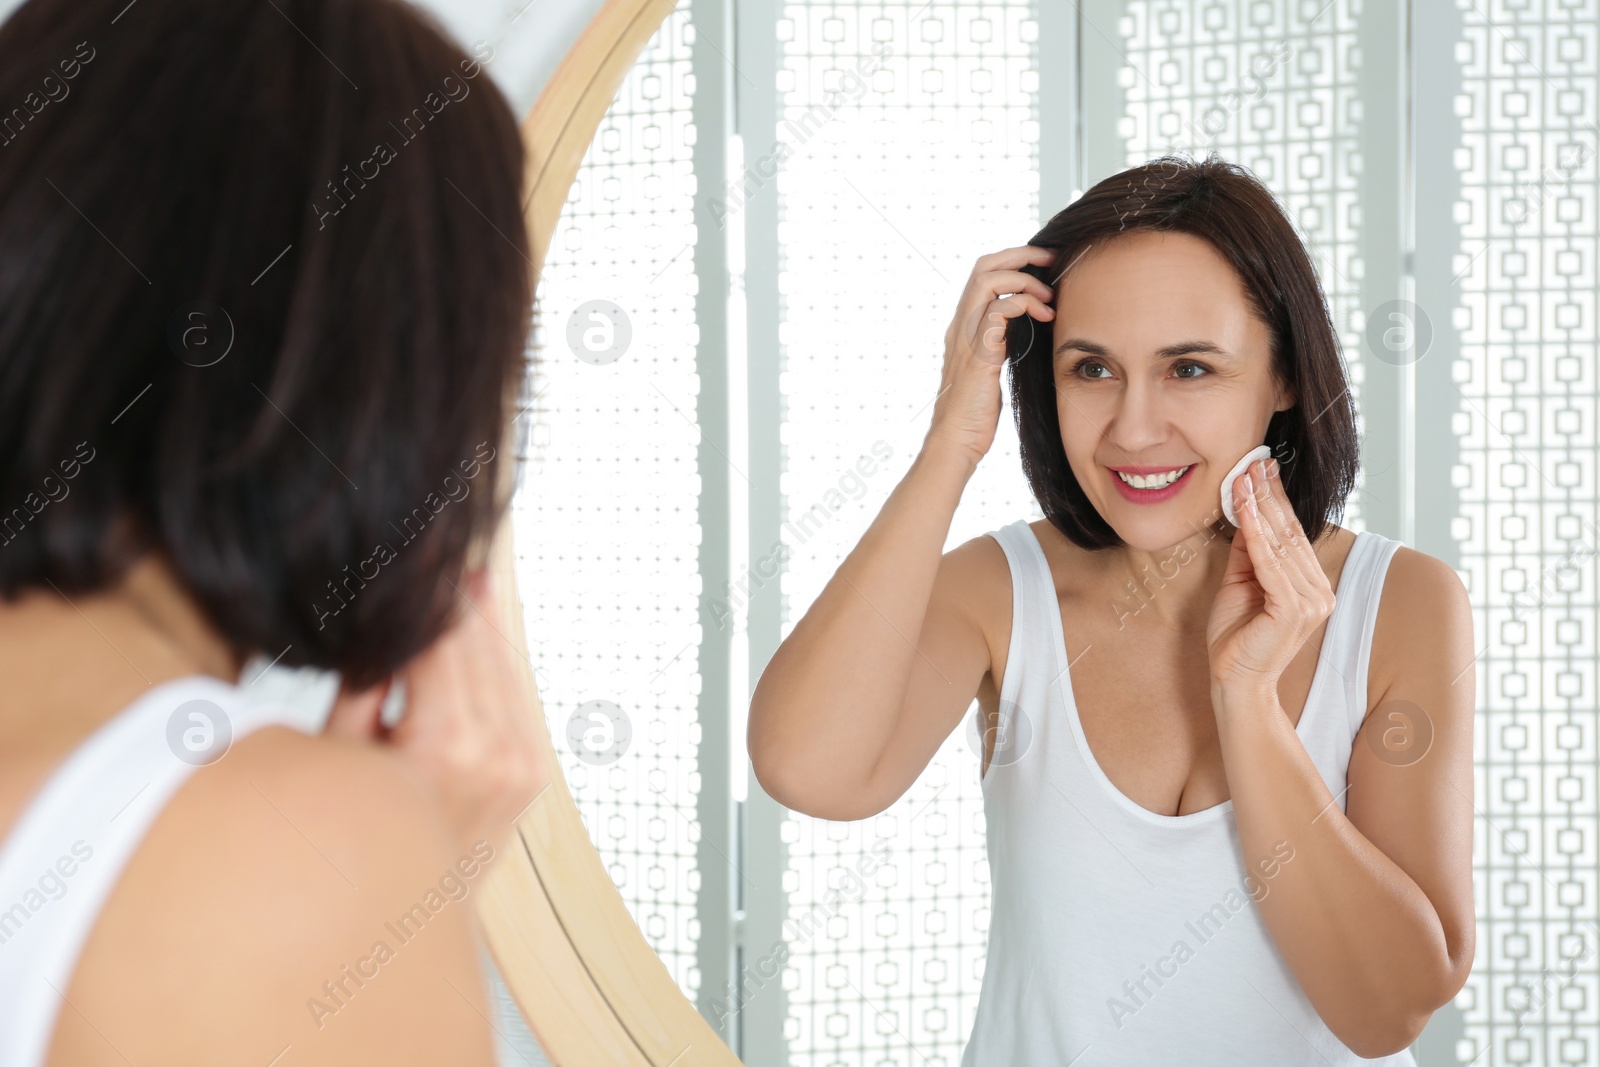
1084 415
1080 437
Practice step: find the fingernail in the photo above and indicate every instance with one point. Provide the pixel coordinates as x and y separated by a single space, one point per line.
1273 473
1249 486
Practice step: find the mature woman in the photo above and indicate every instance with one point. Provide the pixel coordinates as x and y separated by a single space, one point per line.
1229 813
263 303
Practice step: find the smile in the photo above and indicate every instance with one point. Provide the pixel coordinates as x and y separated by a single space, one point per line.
1151 488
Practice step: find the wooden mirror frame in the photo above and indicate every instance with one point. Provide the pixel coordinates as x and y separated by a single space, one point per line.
593 991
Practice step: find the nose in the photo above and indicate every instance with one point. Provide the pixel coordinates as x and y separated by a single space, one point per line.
1138 423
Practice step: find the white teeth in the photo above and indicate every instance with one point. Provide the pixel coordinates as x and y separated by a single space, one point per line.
1154 481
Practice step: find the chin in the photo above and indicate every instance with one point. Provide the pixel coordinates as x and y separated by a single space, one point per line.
1158 536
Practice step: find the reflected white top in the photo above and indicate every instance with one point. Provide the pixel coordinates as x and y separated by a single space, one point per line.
1120 936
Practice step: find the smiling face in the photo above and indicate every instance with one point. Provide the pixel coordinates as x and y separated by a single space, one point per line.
1159 365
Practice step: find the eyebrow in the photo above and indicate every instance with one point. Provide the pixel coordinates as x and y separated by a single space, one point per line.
1182 348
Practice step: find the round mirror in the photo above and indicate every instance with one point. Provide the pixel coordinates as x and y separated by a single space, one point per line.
586 978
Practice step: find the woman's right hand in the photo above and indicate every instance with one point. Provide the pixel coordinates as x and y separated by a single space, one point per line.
967 409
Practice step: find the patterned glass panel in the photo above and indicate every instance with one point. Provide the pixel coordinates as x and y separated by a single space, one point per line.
913 132
606 520
1526 293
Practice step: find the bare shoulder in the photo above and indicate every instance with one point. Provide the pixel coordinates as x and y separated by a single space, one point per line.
310 878
975 578
978 573
1421 594
1411 571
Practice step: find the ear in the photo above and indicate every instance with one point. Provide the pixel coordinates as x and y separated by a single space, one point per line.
1285 398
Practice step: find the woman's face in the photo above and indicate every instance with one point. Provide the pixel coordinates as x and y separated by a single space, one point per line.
1159 365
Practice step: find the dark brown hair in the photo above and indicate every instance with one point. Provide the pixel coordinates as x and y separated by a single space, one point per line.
264 300
1315 441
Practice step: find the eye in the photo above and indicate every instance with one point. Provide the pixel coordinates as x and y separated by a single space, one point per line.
1077 370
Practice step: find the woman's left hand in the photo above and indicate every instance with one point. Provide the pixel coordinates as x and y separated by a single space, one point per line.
469 728
1274 593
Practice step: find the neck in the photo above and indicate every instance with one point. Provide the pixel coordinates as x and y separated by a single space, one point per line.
1172 588
153 591
148 621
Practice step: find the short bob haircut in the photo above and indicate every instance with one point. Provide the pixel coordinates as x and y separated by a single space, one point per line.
1315 441
264 302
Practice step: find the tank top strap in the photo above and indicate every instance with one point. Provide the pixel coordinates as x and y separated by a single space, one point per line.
1032 616
1349 642
64 855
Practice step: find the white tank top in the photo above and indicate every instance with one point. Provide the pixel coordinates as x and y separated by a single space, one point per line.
62 857
1120 936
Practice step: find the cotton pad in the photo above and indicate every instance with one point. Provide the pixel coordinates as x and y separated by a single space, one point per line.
1258 452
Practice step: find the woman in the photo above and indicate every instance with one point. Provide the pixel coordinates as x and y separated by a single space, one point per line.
1211 837
263 303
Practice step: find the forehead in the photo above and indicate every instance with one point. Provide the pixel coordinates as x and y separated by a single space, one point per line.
1145 289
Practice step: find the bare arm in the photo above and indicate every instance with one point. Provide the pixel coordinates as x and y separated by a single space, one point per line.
878 671
827 705
1371 906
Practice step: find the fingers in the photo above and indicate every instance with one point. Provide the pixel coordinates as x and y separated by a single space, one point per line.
998 273
988 285
509 702
434 687
987 290
991 338
1287 536
1286 566
469 728
1265 552
1017 303
1012 258
488 660
471 722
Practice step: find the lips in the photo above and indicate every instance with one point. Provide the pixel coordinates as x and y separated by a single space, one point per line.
1149 496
